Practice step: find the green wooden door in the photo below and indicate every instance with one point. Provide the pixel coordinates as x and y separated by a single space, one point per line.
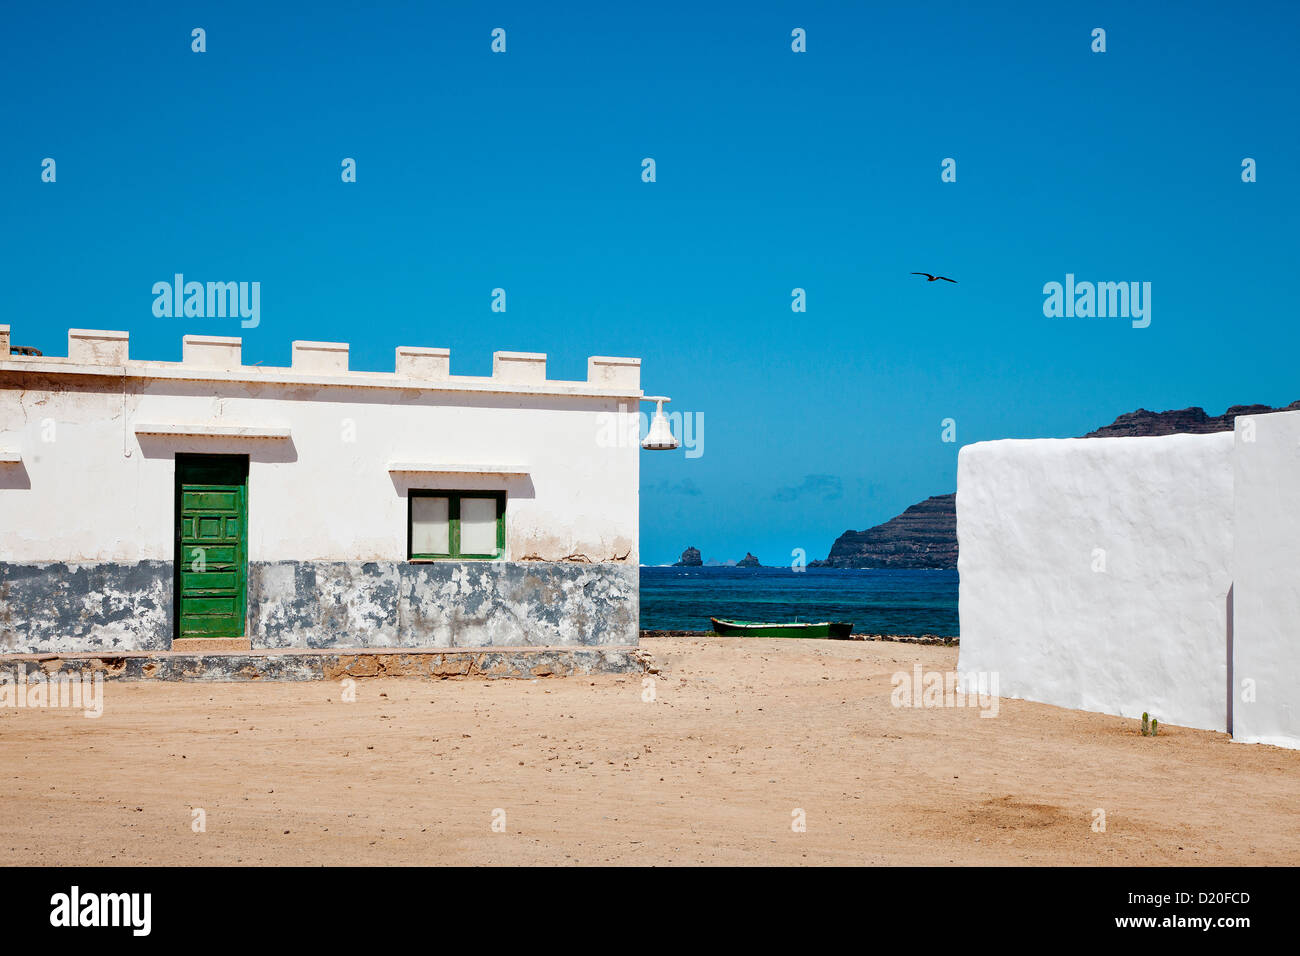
211 545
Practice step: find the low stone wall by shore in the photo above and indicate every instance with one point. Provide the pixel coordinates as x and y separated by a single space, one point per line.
900 638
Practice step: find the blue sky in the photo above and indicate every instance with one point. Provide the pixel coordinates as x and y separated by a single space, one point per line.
775 170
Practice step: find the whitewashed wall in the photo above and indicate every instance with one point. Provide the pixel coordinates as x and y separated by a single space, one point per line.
1149 633
1266 585
99 492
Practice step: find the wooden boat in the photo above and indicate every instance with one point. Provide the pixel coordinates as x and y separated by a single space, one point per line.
833 629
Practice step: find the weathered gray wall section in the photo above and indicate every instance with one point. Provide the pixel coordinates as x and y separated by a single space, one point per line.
85 607
128 607
506 662
442 604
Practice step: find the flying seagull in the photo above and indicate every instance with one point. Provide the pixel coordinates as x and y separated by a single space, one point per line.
930 278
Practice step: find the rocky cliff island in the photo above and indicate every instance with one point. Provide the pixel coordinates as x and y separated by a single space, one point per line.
690 559
1184 421
923 536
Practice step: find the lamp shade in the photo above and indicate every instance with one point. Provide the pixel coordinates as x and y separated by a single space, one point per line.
660 436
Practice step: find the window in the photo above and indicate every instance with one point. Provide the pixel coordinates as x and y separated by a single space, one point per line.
456 524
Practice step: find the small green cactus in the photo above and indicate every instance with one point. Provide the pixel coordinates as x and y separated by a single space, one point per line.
1155 727
1146 724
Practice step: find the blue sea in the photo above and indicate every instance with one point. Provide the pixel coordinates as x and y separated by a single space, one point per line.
876 601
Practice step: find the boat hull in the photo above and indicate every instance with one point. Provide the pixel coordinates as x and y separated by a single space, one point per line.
838 630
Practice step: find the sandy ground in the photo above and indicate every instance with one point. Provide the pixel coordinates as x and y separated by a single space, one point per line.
741 734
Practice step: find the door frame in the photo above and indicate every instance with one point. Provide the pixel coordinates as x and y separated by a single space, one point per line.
178 557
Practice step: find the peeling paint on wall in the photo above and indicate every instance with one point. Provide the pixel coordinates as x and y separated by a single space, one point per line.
85 607
64 608
441 604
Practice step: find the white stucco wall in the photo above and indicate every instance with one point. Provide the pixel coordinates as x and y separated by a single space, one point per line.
1266 586
1149 633
87 488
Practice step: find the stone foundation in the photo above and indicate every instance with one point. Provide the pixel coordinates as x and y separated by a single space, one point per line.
526 663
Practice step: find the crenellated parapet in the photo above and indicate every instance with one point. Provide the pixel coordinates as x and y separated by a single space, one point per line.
217 358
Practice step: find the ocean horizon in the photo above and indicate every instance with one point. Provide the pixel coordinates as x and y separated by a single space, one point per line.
875 600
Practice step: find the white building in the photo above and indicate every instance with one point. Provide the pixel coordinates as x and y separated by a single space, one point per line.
1131 575
210 505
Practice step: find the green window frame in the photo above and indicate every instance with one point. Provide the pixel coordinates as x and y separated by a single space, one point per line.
454 552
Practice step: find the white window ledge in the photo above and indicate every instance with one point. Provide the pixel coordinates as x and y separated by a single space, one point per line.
444 469
213 431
